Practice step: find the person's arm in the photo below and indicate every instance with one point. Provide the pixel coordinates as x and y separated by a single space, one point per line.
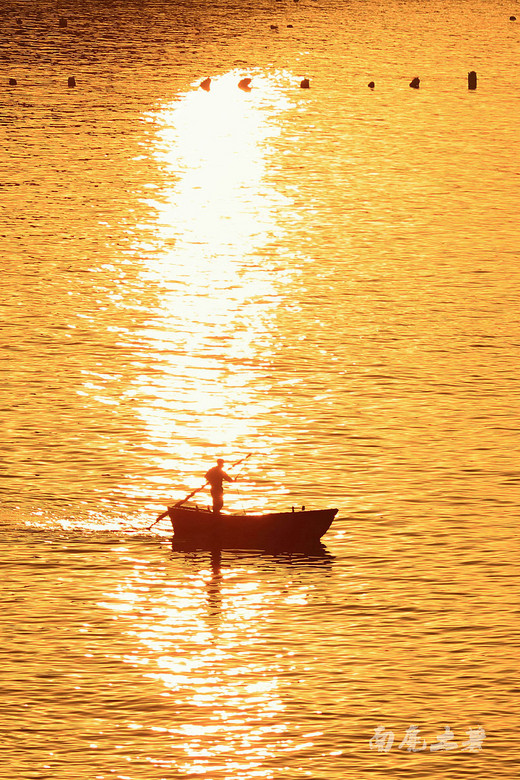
227 477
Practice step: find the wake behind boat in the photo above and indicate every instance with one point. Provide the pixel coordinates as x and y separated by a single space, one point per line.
281 530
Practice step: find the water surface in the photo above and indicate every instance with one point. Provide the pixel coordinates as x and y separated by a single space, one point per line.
325 278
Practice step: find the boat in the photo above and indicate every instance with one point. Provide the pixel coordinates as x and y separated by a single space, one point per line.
276 530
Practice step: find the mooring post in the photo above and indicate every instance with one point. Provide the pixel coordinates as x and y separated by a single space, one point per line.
472 80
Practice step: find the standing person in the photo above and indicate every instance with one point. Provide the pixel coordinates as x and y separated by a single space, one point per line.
216 476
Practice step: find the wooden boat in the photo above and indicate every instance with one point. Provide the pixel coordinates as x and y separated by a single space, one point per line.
276 530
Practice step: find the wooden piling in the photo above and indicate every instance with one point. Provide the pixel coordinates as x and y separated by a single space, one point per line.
472 80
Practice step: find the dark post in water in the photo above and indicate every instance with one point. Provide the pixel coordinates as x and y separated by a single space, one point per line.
472 80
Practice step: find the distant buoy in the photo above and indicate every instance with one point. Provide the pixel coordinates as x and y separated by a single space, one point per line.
71 81
273 26
62 22
244 84
206 84
289 25
371 84
472 80
512 18
305 84
414 83
13 82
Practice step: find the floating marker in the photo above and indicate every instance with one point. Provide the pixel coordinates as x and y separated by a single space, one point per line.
371 84
414 83
244 84
305 84
13 82
71 81
62 22
472 80
206 84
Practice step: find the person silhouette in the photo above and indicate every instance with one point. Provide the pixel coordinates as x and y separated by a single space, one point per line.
216 477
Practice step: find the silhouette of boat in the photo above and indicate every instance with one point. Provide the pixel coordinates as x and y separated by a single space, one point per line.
276 530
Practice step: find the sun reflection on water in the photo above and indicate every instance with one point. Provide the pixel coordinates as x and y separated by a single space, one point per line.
215 256
227 713
215 149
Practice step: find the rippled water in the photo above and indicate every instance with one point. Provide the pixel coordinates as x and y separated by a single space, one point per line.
325 278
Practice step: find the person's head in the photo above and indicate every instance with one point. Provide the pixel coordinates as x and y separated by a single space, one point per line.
220 462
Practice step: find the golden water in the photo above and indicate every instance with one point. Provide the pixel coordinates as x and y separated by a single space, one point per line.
325 278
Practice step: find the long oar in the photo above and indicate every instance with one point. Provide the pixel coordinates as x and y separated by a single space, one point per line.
183 500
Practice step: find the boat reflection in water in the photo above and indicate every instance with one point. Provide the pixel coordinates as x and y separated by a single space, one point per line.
272 531
216 576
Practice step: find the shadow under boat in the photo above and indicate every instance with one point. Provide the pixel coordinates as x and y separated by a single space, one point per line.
314 553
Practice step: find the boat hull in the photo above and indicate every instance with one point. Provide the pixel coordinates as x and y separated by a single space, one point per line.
276 530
